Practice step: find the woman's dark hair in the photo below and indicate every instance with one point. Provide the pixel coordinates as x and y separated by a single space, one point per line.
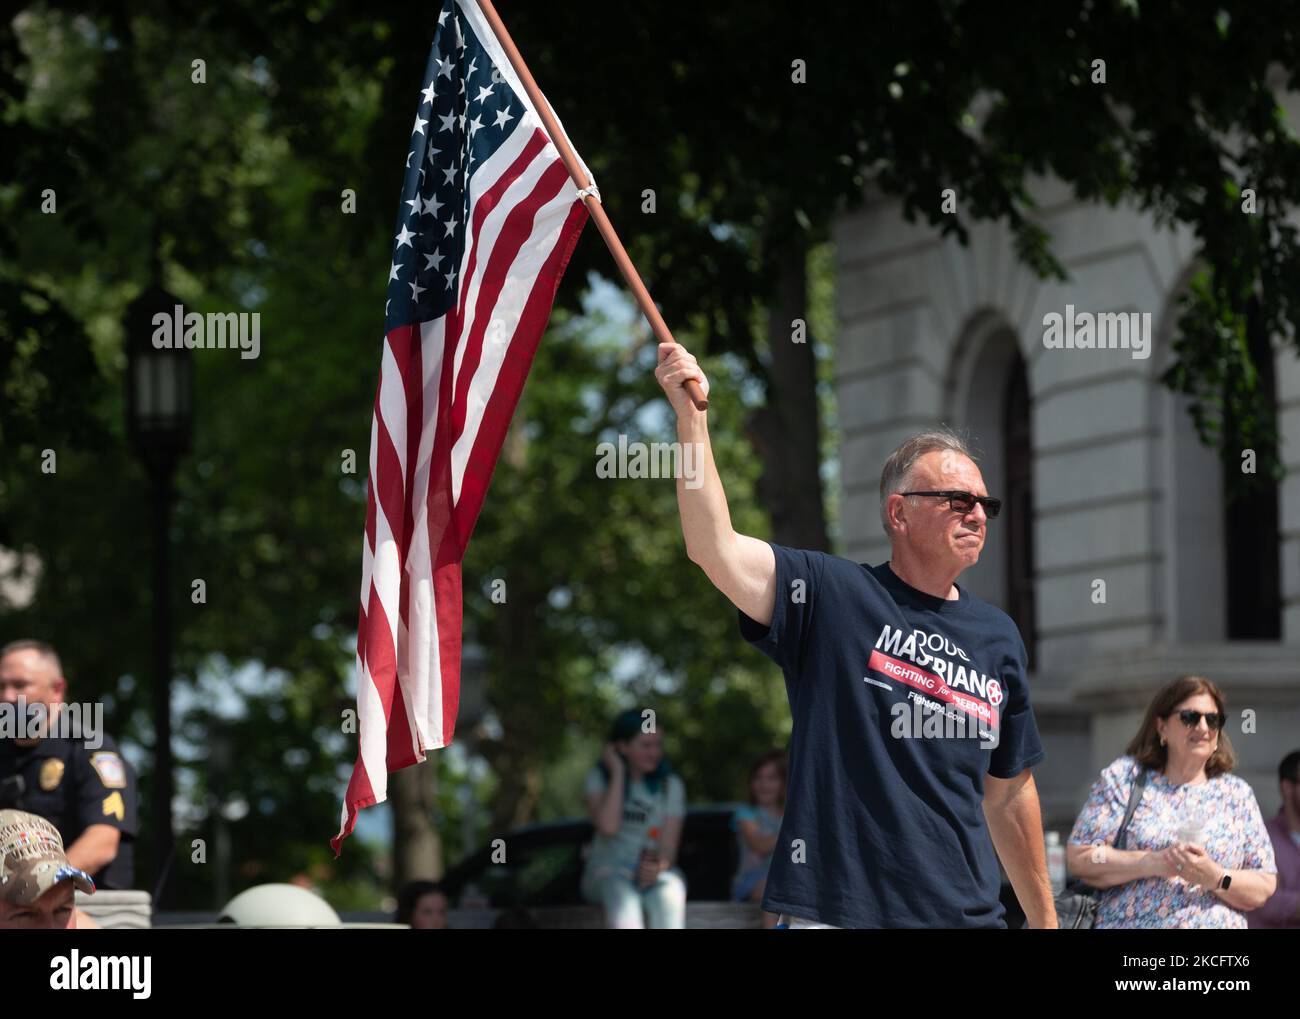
410 895
1146 748
1289 769
776 757
627 726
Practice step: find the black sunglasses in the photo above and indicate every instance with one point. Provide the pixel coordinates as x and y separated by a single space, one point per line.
964 502
1215 720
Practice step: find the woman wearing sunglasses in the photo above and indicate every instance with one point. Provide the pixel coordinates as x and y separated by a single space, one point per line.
1196 852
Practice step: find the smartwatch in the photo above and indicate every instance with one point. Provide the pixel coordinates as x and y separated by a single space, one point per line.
1225 882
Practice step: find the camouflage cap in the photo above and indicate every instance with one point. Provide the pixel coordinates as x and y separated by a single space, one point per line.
32 860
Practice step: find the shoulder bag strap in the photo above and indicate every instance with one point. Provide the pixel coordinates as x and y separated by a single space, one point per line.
1133 797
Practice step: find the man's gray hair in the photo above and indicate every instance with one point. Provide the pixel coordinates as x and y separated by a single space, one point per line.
46 651
898 468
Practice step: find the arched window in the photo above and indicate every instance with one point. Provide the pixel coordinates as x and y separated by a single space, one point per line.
1222 556
1019 509
990 399
1254 594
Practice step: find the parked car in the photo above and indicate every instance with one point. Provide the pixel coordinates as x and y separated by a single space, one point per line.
544 865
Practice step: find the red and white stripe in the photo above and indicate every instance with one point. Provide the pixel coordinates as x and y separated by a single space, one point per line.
447 390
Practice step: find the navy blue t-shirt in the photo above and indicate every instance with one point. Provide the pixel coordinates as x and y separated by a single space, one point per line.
901 702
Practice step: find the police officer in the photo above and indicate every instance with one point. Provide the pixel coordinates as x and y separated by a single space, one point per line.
87 792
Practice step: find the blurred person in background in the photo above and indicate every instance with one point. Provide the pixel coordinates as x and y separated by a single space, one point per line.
757 827
1197 854
1282 910
423 906
638 807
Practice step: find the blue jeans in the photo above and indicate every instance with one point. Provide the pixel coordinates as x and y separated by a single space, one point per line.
660 906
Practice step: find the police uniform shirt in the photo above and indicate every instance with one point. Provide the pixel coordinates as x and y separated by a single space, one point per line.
74 787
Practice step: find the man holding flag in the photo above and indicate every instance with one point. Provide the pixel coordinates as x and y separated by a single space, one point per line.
887 823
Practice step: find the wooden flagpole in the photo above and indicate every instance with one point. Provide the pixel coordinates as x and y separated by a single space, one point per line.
594 208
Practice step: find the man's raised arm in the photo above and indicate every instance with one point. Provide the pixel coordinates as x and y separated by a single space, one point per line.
741 567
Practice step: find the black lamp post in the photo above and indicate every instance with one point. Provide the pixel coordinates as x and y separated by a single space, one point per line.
159 416
473 706
221 757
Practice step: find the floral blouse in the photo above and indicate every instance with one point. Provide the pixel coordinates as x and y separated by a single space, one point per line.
1221 815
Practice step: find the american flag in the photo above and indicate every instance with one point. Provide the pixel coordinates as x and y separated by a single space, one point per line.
488 219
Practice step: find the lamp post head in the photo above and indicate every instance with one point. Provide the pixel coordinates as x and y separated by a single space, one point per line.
159 379
473 686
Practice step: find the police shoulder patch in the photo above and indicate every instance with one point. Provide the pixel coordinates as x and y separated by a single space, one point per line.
110 769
